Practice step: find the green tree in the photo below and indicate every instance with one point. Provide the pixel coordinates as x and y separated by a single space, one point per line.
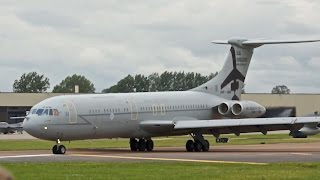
190 81
67 85
112 89
126 84
179 81
154 82
141 83
280 89
31 83
166 81
199 79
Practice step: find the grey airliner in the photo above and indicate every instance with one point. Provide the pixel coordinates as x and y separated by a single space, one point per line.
212 108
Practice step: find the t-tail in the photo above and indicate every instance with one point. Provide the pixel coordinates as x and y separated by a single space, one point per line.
230 80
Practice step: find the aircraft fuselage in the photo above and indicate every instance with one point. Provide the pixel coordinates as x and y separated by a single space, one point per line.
117 115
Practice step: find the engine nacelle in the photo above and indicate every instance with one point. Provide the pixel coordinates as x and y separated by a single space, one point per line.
241 109
224 109
247 109
306 130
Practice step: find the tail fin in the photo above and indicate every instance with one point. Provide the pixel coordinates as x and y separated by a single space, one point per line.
230 80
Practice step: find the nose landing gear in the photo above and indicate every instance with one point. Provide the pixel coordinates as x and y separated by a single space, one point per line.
59 148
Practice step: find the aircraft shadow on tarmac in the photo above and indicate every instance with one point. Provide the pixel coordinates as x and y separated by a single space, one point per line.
182 150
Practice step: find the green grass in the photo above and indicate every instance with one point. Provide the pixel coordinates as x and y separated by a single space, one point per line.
161 170
7 145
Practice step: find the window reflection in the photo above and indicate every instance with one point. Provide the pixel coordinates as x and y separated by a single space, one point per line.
45 112
40 111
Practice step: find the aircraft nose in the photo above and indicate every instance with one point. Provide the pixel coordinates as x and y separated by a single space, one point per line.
29 126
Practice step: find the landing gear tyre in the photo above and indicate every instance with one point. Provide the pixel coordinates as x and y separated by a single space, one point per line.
62 149
55 149
205 146
197 146
133 145
149 145
142 145
59 149
189 146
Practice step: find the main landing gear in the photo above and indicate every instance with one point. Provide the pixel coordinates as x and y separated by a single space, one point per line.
141 144
199 144
59 148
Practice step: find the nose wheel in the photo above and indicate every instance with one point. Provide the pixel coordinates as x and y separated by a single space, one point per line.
59 148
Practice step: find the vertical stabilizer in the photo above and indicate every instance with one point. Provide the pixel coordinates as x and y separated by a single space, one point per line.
230 80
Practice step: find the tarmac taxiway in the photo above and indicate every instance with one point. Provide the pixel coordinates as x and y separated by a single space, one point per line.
248 154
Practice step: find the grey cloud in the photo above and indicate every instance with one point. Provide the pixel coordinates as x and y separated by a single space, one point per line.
106 40
47 18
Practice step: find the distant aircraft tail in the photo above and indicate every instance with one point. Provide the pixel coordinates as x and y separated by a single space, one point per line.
230 80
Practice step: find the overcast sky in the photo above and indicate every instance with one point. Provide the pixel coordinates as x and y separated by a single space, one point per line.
105 40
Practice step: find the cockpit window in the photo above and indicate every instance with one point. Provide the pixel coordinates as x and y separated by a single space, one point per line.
40 111
46 112
34 111
55 112
50 112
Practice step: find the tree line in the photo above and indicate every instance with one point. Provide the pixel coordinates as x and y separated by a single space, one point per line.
167 81
34 83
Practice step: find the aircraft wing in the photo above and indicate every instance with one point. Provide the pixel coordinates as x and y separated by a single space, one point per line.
194 124
5 127
225 126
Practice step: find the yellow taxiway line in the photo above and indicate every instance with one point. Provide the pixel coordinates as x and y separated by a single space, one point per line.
167 159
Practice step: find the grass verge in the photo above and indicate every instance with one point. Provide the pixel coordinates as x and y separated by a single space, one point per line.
161 170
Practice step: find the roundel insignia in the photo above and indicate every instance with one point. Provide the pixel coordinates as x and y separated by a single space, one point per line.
111 116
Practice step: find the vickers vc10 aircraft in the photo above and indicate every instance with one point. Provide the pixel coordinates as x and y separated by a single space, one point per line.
212 108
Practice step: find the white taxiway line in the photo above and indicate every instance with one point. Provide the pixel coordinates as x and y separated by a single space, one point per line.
302 154
166 159
26 156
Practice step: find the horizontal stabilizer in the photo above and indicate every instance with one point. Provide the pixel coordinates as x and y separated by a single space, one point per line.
259 42
262 42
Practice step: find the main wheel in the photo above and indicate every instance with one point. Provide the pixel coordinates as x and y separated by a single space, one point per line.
197 146
62 149
142 145
133 145
149 145
189 146
205 146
